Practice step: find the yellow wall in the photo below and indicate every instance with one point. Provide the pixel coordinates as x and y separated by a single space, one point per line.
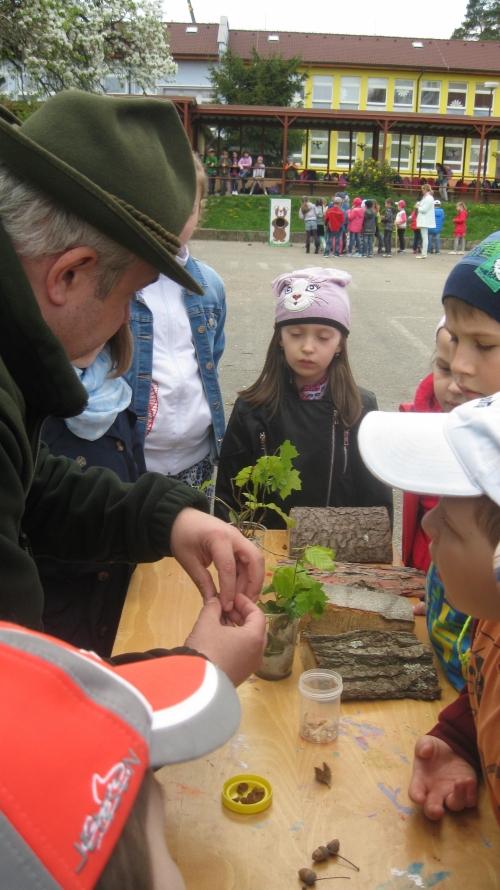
391 76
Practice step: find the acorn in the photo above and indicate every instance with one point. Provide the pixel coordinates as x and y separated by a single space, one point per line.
321 854
333 848
308 876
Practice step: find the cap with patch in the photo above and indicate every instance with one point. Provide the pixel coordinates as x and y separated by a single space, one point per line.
476 278
76 738
313 296
454 455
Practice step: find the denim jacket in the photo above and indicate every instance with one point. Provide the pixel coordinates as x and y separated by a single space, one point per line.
207 316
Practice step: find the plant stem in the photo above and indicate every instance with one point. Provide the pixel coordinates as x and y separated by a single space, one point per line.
348 860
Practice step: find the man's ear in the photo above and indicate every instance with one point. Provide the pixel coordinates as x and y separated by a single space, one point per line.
69 275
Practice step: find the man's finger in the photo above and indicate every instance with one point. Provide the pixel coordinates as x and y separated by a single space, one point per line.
201 577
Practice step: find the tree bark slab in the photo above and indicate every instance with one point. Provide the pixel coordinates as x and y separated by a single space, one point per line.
374 664
356 534
400 580
349 609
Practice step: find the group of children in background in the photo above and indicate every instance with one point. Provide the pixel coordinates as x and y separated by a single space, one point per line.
353 231
234 170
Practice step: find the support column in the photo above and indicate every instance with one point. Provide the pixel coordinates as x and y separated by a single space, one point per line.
384 143
478 179
375 138
285 152
421 156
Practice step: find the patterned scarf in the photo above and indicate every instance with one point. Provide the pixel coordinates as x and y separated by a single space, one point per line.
107 397
312 392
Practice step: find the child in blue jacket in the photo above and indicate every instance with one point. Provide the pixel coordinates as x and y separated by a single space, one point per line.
179 340
435 233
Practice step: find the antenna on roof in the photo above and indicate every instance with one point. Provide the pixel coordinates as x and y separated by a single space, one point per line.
191 13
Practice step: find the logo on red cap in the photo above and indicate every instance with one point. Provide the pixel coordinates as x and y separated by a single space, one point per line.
107 792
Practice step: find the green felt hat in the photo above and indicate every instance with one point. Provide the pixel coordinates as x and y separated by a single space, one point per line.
123 165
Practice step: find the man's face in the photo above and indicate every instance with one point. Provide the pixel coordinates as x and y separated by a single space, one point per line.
91 321
474 353
463 556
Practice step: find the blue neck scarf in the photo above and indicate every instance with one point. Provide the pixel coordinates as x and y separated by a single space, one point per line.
107 397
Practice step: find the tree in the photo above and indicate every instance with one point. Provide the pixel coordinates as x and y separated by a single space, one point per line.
64 44
264 81
481 22
271 80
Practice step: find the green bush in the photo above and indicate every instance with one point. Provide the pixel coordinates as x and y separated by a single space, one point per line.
371 179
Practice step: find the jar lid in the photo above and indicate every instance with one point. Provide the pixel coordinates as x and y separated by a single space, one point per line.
230 792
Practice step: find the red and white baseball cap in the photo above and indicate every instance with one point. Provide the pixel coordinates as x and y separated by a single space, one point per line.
76 738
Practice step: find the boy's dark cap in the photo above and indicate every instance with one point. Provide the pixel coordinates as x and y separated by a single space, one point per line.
476 278
123 165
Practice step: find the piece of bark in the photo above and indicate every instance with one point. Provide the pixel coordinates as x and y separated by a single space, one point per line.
351 609
374 664
400 580
356 534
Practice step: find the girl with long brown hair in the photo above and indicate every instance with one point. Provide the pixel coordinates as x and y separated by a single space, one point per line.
305 393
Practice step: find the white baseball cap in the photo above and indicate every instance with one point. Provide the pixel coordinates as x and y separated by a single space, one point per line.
454 455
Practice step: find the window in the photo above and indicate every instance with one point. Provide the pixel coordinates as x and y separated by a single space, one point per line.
366 144
483 101
430 95
376 96
322 92
403 95
318 148
273 38
349 93
457 98
404 156
429 150
453 152
344 157
474 155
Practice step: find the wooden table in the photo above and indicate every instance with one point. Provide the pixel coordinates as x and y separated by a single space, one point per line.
367 808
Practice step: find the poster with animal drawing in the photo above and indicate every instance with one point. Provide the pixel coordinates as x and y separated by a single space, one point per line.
279 226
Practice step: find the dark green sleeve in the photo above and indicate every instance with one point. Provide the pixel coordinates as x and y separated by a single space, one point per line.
94 516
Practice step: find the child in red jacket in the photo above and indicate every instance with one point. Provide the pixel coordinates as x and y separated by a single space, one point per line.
355 226
417 235
460 228
438 392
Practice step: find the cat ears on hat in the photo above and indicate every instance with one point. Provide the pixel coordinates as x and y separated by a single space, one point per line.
316 274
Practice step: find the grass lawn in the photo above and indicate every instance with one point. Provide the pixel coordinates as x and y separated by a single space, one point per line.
251 213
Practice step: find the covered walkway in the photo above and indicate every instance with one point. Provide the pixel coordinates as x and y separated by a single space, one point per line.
197 117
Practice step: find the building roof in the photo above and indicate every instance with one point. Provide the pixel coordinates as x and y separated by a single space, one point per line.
191 44
349 50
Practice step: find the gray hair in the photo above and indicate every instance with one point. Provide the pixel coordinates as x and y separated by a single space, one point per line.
40 228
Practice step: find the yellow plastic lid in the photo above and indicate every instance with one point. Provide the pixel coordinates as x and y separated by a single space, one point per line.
229 792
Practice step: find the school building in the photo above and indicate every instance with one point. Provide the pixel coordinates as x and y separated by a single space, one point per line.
415 102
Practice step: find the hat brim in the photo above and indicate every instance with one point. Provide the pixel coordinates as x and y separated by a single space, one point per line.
411 452
195 707
79 195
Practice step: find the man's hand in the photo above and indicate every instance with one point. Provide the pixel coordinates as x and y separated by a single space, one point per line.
236 650
197 540
441 778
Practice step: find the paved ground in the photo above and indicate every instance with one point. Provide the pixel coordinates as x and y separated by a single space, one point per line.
395 308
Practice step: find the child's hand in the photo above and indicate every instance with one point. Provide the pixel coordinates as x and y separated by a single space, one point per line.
441 778
237 650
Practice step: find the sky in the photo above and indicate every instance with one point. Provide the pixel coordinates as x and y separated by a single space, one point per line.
394 18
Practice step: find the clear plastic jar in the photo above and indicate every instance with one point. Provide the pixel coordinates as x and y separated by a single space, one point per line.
320 692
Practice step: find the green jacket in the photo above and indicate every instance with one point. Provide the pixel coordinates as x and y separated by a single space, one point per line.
48 507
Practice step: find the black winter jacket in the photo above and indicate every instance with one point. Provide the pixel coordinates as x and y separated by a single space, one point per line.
331 469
